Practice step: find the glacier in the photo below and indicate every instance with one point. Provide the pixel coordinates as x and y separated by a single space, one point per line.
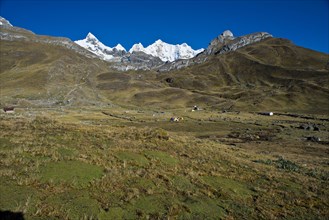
165 51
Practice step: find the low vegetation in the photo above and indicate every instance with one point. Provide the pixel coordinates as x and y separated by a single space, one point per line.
88 165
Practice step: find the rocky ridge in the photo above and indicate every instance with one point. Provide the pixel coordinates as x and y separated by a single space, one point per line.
226 42
12 33
222 44
159 56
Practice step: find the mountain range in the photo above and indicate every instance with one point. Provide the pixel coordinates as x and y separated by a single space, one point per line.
164 51
254 72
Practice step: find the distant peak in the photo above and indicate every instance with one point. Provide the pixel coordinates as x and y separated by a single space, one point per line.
120 47
137 47
91 36
225 42
165 51
227 34
4 22
159 41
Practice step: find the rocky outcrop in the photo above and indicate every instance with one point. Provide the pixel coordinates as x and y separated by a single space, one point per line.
220 41
226 42
4 22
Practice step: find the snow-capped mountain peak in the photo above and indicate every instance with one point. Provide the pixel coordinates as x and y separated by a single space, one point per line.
92 44
167 52
137 47
91 37
159 41
119 47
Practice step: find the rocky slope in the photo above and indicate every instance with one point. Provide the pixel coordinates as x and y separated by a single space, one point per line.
12 33
226 42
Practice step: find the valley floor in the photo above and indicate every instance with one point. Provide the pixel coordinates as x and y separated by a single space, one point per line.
121 163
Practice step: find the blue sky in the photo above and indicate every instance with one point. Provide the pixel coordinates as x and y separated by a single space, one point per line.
195 22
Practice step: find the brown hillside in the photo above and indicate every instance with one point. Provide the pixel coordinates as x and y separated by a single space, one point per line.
271 75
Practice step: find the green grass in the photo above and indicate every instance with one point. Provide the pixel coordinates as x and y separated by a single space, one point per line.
183 184
231 188
15 197
6 144
162 157
204 208
74 204
149 205
112 213
75 172
66 153
132 158
144 184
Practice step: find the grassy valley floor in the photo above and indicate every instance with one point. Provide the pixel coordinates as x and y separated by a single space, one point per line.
125 163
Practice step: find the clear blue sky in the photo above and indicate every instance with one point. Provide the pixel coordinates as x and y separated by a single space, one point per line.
195 22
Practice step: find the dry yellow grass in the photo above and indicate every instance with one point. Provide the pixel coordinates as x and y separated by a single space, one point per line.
73 163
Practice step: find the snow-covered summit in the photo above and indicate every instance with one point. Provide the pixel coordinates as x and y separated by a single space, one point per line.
167 52
4 22
119 47
92 41
92 44
163 50
137 47
91 37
